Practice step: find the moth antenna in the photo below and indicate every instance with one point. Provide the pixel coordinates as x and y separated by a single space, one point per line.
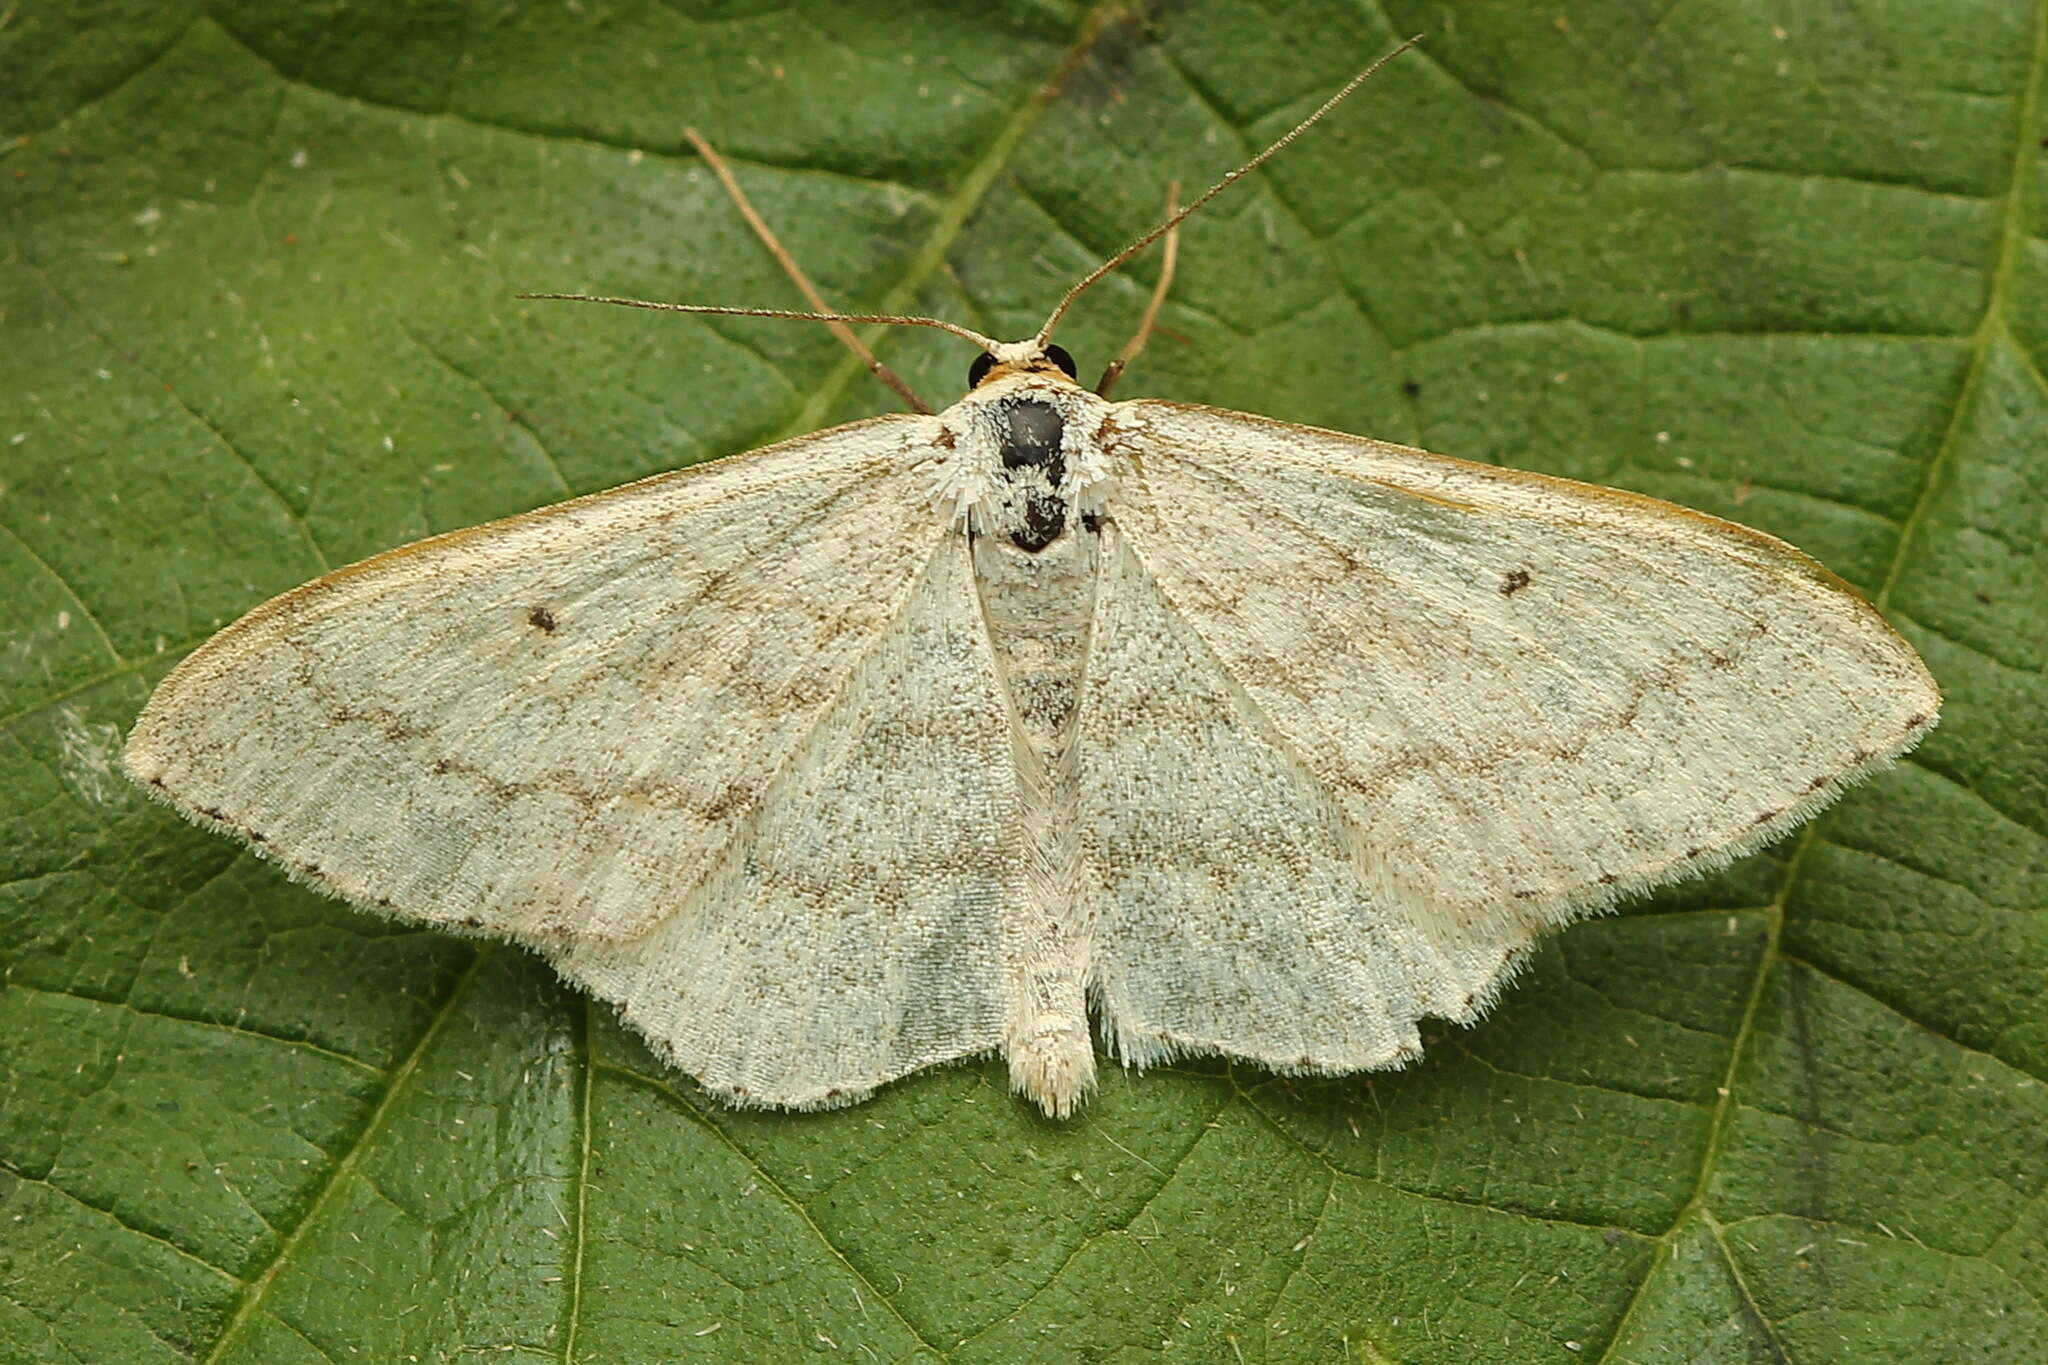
796 273
839 320
1175 220
1136 345
864 319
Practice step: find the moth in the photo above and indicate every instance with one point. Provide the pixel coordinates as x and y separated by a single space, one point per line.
937 734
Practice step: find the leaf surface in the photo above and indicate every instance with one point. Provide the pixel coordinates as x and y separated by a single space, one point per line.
1781 263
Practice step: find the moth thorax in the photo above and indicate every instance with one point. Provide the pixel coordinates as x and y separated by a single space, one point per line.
1031 439
1033 433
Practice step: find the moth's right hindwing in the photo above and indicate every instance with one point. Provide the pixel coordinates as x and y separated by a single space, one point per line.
1231 910
552 725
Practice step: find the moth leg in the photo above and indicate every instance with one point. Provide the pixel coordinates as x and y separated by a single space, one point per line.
1136 344
803 281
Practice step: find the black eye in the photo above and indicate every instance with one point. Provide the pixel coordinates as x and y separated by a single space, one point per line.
1058 355
978 371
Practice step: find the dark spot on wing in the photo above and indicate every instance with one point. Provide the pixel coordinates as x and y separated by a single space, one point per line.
1917 721
541 619
1608 879
722 806
946 438
1091 522
1767 817
1514 583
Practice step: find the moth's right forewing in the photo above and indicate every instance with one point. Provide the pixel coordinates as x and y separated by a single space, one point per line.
1527 696
552 724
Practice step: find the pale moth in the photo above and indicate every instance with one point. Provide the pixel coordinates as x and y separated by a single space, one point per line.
934 734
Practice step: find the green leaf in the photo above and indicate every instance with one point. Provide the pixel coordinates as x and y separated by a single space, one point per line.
1783 263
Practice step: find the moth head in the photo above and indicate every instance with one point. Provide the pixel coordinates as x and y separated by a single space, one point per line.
1020 357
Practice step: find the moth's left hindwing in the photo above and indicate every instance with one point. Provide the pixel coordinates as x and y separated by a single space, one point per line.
856 929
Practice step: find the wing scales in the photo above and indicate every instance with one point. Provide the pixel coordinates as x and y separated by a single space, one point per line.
552 724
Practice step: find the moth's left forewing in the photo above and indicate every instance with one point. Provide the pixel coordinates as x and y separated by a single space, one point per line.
1527 695
553 724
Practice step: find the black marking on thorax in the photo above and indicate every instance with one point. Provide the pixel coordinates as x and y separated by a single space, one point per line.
1032 436
1032 433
